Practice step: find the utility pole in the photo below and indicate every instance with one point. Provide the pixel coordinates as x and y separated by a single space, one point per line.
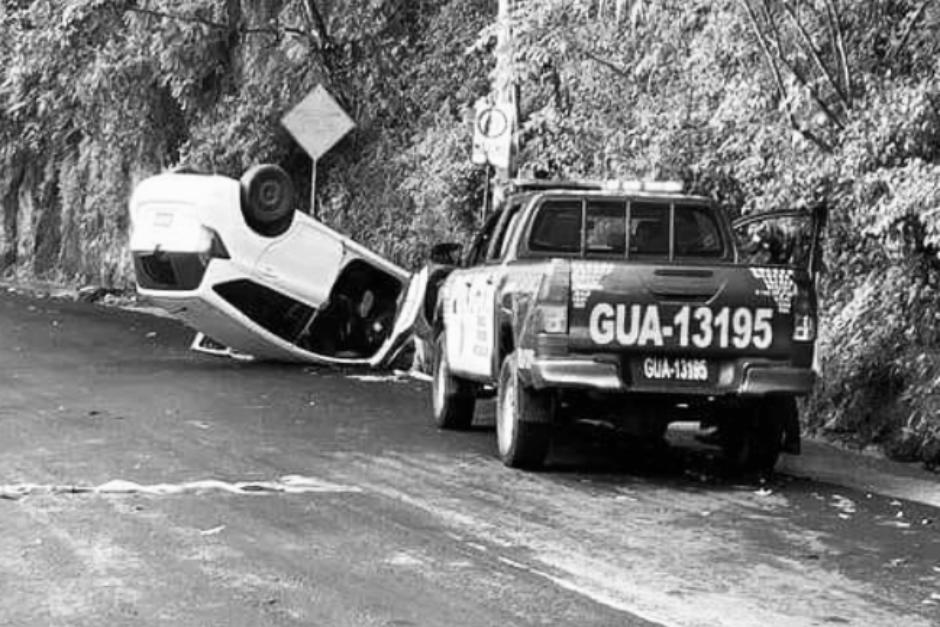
505 88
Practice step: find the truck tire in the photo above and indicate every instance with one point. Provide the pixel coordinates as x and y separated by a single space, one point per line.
452 399
752 441
523 420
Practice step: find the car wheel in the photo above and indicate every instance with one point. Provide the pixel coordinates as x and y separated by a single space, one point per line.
753 440
523 420
453 399
267 199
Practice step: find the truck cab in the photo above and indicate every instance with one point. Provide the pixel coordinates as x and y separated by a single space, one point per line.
634 304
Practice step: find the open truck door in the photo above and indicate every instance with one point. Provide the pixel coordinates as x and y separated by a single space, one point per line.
790 238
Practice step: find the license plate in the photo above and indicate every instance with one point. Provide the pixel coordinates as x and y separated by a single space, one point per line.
163 219
674 369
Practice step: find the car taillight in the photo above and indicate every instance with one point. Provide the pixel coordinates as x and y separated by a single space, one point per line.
217 249
552 304
214 249
804 318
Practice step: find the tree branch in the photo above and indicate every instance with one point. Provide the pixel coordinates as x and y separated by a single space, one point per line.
909 30
778 80
179 18
319 24
274 31
835 31
815 54
610 65
797 73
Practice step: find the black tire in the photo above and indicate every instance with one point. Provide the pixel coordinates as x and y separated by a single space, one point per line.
753 439
267 199
523 420
452 399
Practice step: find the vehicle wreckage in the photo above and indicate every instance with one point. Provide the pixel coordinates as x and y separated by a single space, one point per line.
235 261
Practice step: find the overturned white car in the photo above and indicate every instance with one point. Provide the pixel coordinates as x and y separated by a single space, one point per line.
234 260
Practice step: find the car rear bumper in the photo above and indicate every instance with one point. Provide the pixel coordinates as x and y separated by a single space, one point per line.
740 377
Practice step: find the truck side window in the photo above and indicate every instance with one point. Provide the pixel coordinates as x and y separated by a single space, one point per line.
503 231
557 227
606 228
649 230
697 233
481 243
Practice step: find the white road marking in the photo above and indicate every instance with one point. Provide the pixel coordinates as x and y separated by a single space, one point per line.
288 484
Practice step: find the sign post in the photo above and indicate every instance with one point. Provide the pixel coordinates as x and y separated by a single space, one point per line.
317 123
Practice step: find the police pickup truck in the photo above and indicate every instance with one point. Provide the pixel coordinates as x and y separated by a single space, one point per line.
634 304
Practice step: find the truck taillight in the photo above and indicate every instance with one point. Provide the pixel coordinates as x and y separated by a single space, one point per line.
552 305
552 318
804 318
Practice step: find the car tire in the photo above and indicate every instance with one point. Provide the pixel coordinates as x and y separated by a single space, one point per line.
753 440
452 398
267 199
523 419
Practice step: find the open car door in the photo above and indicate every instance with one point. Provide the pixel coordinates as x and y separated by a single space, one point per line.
410 312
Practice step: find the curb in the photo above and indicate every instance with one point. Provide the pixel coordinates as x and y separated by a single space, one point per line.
826 462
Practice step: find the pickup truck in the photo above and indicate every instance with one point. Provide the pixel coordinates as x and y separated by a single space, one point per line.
629 303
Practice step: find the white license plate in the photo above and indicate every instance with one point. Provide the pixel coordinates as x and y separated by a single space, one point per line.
674 369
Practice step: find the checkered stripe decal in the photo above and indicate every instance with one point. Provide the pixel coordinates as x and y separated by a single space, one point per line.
586 277
524 282
778 284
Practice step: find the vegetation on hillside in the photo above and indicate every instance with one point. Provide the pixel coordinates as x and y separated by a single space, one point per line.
759 104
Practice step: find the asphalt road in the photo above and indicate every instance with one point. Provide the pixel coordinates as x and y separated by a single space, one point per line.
142 484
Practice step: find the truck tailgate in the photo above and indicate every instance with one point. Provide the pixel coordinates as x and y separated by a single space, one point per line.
721 310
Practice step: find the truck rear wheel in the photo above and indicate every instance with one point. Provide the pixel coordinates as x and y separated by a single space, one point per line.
453 399
523 420
753 440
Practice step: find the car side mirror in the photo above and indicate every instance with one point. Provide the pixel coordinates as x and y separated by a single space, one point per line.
447 254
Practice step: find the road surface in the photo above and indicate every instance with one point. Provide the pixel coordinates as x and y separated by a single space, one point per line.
142 484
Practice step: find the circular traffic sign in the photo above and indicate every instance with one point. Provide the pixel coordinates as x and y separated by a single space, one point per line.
492 123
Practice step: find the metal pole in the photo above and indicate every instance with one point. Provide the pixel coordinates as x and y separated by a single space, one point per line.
505 87
487 194
314 210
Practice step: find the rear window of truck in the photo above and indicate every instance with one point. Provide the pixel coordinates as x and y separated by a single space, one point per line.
643 230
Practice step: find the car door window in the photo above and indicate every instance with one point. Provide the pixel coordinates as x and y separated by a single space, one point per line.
786 240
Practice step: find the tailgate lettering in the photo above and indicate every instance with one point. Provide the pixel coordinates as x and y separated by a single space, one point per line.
699 327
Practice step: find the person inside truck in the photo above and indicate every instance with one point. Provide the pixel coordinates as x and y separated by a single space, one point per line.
651 237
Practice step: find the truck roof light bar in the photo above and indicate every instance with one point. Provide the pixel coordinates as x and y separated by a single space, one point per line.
661 187
625 185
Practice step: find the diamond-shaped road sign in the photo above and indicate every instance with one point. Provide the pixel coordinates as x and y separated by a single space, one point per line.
317 123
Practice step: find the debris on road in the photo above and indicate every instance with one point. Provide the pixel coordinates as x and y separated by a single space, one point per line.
288 484
845 506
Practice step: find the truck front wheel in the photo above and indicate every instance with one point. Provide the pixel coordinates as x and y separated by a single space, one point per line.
523 420
453 399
